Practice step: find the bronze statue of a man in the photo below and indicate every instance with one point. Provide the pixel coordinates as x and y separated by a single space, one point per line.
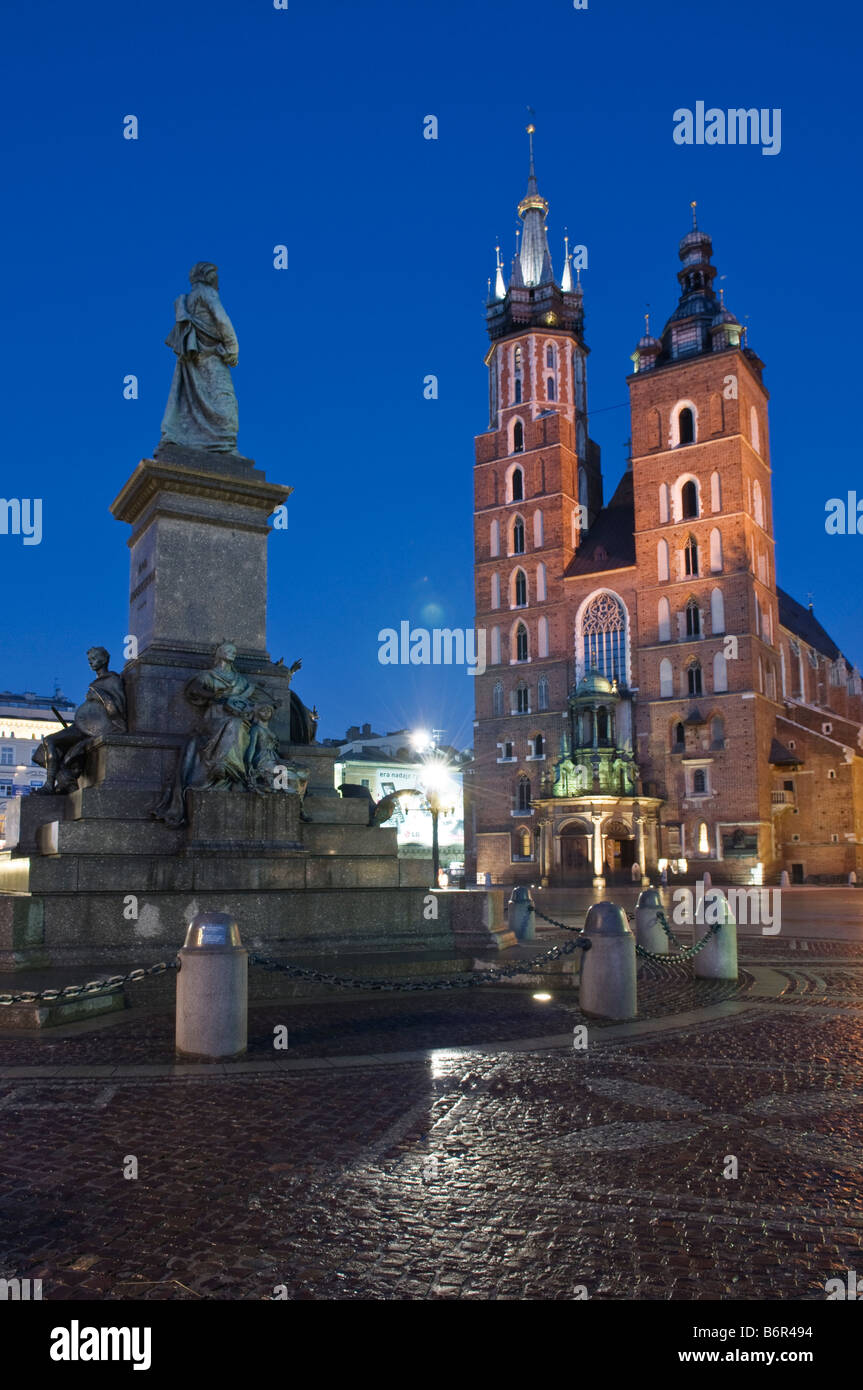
202 407
103 712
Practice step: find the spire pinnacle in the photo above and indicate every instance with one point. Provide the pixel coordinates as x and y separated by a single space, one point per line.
566 278
499 286
694 205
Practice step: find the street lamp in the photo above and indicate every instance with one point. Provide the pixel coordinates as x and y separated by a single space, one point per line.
440 795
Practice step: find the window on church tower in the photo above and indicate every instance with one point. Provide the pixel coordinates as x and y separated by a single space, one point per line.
497 698
549 354
522 794
717 732
678 738
517 441
518 534
699 782
520 589
686 426
690 556
542 692
603 635
517 483
516 395
689 500
703 839
521 643
693 679
549 389
693 619
538 746
522 700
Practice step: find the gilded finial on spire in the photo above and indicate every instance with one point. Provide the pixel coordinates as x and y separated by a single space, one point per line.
647 322
694 205
566 278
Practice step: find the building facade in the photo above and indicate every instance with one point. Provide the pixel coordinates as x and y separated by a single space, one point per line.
652 697
24 721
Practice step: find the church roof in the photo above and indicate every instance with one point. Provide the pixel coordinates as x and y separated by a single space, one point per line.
610 542
803 623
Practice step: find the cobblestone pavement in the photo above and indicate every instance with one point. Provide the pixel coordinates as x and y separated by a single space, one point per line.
504 1172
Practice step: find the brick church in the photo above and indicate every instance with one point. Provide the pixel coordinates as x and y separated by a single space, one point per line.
651 696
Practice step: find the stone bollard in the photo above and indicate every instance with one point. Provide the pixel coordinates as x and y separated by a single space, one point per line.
607 988
212 989
649 931
718 959
784 879
852 879
521 916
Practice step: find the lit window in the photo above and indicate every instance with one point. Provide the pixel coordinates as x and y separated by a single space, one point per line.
603 632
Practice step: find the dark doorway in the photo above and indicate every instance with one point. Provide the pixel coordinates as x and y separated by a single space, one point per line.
575 854
796 873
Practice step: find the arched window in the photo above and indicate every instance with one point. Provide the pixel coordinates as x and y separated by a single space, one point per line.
582 486
520 589
699 781
518 439
603 635
494 538
517 531
753 430
717 611
690 557
703 838
538 535
549 388
757 503
666 678
538 746
549 355
540 583
521 651
693 619
495 646
522 699
664 620
542 692
516 358
693 679
663 503
662 560
686 426
720 672
715 492
716 550
688 500
678 737
497 698
495 591
524 844
522 794
516 392
542 637
717 731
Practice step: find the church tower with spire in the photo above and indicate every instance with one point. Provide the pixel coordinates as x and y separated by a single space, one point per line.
708 619
538 488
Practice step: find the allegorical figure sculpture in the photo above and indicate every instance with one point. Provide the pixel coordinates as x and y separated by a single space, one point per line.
202 408
234 747
103 712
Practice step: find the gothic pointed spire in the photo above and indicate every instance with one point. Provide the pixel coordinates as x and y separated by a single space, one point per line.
533 210
499 286
566 278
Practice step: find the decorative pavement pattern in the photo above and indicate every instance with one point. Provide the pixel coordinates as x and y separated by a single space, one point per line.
356 1165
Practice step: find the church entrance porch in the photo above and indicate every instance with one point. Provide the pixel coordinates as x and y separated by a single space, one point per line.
596 840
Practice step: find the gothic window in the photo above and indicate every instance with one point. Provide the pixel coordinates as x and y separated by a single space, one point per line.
753 430
521 643
517 529
549 389
542 637
522 794
715 492
580 439
516 359
662 561
520 589
686 426
497 698
549 354
538 534
516 395
664 620
693 619
720 672
495 646
582 486
689 500
494 539
517 484
757 503
542 692
518 438
717 731
666 678
678 739
523 842
693 679
690 557
715 550
703 838
540 583
603 635
522 700
663 503
495 591
717 611
538 746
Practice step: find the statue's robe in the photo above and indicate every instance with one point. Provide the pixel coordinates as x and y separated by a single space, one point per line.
102 712
202 406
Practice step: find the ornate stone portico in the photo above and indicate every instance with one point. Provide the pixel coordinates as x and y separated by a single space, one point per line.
592 821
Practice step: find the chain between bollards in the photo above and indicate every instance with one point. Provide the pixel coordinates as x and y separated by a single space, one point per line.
50 996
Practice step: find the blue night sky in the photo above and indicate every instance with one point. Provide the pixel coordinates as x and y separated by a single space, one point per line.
304 127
